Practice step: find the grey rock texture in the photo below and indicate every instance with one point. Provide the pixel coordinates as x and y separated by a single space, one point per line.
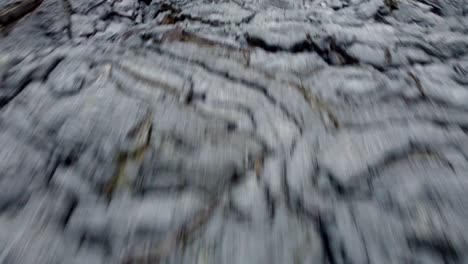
243 131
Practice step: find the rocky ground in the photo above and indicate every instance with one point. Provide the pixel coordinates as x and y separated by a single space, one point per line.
241 131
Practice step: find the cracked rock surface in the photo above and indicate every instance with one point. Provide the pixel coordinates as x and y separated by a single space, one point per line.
242 131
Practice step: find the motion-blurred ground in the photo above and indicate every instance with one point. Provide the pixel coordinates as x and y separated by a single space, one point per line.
241 131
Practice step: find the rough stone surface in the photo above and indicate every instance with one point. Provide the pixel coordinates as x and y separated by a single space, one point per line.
243 131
